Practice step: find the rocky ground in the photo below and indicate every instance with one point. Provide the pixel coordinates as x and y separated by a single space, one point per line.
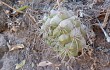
23 30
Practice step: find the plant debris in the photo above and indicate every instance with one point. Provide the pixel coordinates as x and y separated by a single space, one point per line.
20 65
15 47
44 63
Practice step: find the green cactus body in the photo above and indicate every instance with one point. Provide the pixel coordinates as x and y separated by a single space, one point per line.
66 32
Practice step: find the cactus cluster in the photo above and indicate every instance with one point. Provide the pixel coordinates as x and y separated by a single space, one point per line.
63 30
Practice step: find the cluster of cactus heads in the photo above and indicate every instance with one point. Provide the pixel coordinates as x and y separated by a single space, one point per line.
63 31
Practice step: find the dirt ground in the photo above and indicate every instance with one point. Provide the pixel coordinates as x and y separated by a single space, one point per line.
25 29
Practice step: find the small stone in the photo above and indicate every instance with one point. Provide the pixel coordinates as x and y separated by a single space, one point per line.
3 46
3 20
1 64
1 55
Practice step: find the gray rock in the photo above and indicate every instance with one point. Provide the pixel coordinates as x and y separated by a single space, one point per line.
3 20
3 46
1 64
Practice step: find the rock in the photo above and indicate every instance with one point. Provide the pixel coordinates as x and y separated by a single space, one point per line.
1 54
3 46
1 64
3 20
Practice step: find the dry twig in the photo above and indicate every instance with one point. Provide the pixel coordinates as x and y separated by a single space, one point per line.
106 35
10 6
106 18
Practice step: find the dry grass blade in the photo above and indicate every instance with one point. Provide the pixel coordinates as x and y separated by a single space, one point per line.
106 35
106 18
44 63
10 6
15 47
31 17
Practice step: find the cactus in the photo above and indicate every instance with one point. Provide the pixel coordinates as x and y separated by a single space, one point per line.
63 31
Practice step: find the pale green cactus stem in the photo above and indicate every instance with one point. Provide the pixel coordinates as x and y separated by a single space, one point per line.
65 32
